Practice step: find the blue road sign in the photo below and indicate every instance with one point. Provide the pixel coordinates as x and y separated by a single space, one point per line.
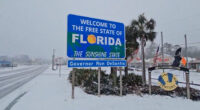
94 38
96 63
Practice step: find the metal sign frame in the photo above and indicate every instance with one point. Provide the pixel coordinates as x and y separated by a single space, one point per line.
186 70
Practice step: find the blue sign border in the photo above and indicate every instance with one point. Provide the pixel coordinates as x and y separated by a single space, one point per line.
70 53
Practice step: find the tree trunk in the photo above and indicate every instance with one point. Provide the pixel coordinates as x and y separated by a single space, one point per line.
114 75
143 63
126 68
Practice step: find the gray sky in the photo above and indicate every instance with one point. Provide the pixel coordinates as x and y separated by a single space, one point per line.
34 27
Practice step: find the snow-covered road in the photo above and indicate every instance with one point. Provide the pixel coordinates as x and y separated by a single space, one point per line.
14 69
11 80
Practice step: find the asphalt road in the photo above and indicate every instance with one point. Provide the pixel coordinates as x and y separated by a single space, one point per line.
11 80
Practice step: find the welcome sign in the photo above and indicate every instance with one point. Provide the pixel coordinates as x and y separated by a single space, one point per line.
94 38
168 81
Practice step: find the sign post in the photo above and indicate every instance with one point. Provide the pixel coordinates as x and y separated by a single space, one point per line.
121 87
99 81
73 81
187 84
60 67
96 40
149 82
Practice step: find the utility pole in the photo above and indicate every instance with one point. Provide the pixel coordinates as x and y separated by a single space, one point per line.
12 63
186 55
162 49
60 66
143 63
53 57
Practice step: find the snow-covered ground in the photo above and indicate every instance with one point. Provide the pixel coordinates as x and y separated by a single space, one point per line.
51 92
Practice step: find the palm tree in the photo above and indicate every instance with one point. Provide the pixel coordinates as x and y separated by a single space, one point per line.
131 45
143 30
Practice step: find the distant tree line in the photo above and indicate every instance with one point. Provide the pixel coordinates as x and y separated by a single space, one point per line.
24 59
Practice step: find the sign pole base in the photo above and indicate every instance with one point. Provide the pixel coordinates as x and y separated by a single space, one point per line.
149 82
73 81
187 85
99 82
121 87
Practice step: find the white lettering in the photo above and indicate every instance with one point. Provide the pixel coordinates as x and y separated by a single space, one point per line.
81 40
100 40
74 37
111 41
118 42
94 23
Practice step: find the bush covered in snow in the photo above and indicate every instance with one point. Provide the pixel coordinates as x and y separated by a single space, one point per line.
132 84
87 79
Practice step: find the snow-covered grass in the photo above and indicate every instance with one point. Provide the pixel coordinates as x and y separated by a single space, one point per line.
51 92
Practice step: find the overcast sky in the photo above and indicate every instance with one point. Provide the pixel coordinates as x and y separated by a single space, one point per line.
35 27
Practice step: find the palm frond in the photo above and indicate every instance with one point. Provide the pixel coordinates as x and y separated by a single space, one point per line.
134 23
142 19
150 25
151 36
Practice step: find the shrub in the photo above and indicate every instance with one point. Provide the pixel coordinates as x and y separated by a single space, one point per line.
86 77
132 80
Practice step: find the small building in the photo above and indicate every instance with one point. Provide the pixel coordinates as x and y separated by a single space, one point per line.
194 64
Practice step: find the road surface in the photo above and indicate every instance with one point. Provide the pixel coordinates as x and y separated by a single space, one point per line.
11 80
